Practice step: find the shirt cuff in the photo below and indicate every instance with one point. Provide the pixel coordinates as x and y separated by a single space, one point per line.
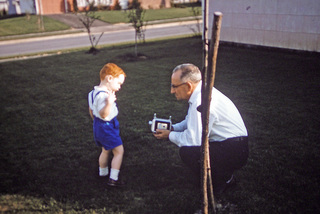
173 137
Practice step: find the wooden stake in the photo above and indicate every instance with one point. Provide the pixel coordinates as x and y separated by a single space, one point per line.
204 144
208 75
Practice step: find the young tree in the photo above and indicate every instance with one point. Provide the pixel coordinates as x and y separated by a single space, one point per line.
136 18
40 18
87 20
75 5
196 12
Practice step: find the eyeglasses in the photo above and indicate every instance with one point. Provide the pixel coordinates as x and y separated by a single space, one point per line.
176 86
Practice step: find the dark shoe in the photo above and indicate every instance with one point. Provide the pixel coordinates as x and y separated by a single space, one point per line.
230 184
114 183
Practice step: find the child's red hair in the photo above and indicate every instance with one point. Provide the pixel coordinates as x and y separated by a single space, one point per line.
111 69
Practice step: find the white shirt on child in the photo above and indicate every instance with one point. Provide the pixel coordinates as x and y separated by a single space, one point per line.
99 101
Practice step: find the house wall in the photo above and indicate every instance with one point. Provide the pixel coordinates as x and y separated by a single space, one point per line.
13 7
146 4
4 4
27 6
292 24
83 3
155 4
58 6
53 6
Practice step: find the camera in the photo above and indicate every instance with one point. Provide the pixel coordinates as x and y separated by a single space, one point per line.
158 123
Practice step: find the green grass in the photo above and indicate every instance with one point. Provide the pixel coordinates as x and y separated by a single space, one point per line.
29 24
168 13
150 15
48 159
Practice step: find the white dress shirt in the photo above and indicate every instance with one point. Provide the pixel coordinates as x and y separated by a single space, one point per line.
99 101
225 121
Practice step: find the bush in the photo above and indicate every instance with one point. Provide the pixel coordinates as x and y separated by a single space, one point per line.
116 6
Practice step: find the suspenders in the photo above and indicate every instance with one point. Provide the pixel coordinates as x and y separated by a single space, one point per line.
92 98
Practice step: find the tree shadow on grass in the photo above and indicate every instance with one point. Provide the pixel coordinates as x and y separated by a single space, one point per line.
129 57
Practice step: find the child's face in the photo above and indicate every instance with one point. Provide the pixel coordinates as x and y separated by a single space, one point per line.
116 82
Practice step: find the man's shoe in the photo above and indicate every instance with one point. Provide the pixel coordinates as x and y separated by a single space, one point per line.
114 183
230 184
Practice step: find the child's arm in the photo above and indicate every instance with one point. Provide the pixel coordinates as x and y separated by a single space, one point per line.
105 111
91 114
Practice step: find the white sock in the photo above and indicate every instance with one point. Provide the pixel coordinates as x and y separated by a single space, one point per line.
103 171
114 174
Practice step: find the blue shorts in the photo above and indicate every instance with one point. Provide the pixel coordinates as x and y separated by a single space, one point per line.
106 133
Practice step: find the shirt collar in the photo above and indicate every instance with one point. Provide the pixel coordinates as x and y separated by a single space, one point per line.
103 88
195 93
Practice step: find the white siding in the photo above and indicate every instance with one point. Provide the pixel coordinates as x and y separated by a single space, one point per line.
292 24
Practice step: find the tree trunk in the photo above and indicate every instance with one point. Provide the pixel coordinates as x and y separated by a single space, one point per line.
136 45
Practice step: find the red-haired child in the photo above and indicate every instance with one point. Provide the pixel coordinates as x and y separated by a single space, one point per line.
104 111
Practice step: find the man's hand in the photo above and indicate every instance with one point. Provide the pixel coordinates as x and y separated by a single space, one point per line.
162 134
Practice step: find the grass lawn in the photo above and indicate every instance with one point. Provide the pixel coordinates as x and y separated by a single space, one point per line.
29 24
150 15
48 159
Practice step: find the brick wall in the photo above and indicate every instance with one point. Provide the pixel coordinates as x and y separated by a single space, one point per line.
55 6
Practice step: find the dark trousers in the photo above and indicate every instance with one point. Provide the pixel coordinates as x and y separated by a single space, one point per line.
225 157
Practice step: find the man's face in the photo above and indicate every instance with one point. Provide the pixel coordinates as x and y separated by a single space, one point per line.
178 88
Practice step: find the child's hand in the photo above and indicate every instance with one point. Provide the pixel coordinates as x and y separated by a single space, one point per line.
105 111
111 98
